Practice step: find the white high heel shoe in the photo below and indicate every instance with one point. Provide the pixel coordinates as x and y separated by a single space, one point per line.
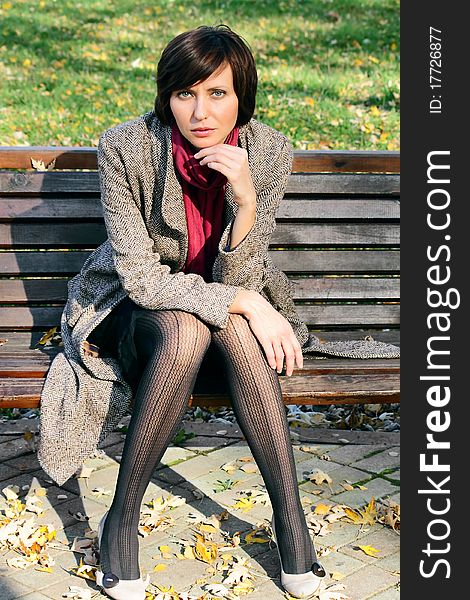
119 589
302 585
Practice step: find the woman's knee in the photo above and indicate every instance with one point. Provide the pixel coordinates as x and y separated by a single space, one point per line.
237 336
180 335
237 327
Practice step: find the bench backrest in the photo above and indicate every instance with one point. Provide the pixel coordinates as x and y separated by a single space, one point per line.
337 235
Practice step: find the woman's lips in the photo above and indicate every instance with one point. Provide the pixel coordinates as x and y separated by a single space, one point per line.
202 132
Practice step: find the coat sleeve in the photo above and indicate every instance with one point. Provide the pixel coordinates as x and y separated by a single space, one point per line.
144 278
246 264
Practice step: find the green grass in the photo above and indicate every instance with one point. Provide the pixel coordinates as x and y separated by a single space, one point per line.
328 69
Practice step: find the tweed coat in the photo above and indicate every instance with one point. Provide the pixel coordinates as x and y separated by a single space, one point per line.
84 398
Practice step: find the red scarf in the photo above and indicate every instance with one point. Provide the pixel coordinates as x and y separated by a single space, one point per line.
204 195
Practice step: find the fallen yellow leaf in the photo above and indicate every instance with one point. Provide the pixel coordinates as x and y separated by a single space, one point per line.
369 550
322 509
251 538
244 504
208 528
50 332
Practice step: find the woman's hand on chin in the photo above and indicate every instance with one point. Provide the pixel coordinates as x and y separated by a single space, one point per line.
232 162
272 330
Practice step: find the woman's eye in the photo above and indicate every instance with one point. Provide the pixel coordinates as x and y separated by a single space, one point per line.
218 93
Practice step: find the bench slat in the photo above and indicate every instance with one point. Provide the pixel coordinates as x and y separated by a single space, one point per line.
336 261
58 262
307 183
72 157
345 315
343 208
344 288
352 234
89 207
24 341
304 389
371 315
34 364
79 235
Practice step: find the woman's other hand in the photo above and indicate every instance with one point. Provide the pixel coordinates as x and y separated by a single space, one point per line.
272 330
232 162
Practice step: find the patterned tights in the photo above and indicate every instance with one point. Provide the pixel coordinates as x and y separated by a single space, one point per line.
171 346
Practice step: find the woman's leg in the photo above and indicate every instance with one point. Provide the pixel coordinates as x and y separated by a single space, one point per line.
259 409
172 345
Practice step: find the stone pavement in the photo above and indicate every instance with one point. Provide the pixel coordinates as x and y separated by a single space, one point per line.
192 470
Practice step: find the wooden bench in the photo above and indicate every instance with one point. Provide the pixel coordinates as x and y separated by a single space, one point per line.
337 238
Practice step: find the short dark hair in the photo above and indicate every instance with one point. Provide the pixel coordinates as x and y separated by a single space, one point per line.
194 55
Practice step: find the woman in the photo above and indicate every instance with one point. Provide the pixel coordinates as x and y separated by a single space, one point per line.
189 193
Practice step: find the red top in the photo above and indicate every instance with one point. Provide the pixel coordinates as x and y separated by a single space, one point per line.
203 195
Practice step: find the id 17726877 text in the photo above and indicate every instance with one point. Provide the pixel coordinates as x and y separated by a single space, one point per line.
435 70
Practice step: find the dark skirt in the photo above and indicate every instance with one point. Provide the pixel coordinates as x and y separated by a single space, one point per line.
115 338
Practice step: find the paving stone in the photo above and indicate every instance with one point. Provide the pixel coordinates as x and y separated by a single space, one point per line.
103 478
378 488
7 472
313 464
19 426
236 520
29 479
185 490
174 454
180 573
384 540
5 570
34 596
379 439
366 582
395 497
37 580
112 439
205 464
341 534
350 453
231 430
392 593
202 443
395 476
339 474
266 589
55 591
11 589
12 447
208 482
337 562
390 563
310 501
60 516
317 450
168 476
380 462
204 508
78 529
111 455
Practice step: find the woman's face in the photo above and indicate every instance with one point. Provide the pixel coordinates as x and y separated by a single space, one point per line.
211 104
